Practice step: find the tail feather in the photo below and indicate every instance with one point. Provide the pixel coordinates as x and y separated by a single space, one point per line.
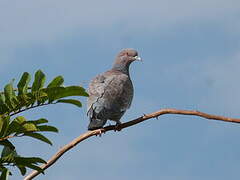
96 123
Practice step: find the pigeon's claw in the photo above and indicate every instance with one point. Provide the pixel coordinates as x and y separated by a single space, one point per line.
100 132
118 126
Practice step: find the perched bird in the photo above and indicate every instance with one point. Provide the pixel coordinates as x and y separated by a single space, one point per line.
111 93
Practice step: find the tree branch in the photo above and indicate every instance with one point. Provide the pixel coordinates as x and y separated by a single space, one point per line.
88 134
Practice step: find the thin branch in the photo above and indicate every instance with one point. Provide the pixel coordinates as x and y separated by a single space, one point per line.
31 107
7 137
89 134
13 136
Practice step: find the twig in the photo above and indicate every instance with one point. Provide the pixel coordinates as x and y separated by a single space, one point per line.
31 107
7 137
88 134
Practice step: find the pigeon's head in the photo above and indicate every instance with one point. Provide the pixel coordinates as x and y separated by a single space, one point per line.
125 58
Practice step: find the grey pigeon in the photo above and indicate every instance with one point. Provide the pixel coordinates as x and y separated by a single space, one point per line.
111 93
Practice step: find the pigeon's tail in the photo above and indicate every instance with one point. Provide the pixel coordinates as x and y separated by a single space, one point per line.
96 124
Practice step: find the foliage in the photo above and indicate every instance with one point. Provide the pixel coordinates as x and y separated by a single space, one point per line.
14 101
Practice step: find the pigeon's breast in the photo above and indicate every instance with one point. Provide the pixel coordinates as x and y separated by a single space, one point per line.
119 93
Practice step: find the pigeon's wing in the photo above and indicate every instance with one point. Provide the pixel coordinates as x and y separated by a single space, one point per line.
106 91
96 91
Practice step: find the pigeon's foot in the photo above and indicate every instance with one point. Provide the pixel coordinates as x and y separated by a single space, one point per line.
100 132
118 126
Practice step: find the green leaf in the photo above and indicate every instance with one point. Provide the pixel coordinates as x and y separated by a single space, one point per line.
51 92
31 99
15 102
20 125
2 98
70 101
39 137
29 162
56 82
22 169
8 155
73 91
7 151
3 106
39 121
29 127
23 83
1 122
61 92
38 81
23 100
20 119
35 168
5 174
7 159
32 160
47 128
9 94
8 91
4 125
7 143
41 97
14 127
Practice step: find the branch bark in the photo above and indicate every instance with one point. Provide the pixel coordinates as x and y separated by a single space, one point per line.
156 114
7 137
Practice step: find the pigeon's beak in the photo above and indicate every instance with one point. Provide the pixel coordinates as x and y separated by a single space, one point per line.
137 58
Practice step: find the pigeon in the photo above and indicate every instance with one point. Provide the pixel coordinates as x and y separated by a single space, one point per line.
111 93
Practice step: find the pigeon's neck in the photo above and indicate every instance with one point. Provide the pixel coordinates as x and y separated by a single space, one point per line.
122 68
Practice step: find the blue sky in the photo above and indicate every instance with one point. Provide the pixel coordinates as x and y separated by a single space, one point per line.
191 52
